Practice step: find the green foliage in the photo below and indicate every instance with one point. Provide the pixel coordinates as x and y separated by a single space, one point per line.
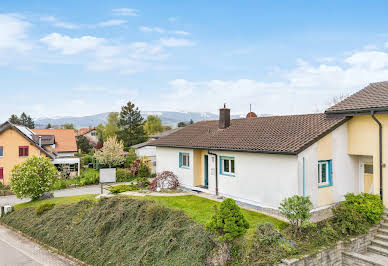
130 158
368 205
87 159
329 235
123 175
44 207
88 177
123 188
131 129
228 222
349 221
297 210
83 144
24 120
111 128
267 235
111 154
117 231
33 177
5 190
153 125
141 168
181 124
68 126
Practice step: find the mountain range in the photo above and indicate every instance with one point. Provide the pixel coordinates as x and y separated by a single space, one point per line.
168 118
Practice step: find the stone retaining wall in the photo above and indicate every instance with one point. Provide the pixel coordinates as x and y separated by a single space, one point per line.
334 255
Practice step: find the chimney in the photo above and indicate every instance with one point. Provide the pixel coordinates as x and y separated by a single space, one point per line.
224 117
40 141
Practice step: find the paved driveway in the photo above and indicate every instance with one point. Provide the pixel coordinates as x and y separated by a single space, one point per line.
18 250
94 189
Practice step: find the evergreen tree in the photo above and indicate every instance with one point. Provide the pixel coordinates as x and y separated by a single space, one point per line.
49 125
131 122
14 119
68 126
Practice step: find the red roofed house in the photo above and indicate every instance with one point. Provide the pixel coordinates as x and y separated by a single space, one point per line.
262 160
90 133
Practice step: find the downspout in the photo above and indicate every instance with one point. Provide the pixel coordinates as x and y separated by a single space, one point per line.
216 163
304 178
380 152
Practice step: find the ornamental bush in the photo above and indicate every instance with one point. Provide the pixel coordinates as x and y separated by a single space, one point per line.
368 205
123 175
164 180
44 207
348 221
297 210
33 177
228 221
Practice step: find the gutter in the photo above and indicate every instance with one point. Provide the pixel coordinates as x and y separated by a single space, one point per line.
380 152
209 152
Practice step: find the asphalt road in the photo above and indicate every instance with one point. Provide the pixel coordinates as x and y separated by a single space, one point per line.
17 250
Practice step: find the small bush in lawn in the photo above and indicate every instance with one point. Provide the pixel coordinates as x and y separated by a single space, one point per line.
349 221
166 180
228 221
267 235
44 207
297 210
369 206
33 177
123 175
123 188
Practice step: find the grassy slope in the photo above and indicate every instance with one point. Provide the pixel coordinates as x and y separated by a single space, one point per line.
202 209
117 231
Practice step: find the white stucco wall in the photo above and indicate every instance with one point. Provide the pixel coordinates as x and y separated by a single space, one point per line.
167 159
345 166
148 151
310 156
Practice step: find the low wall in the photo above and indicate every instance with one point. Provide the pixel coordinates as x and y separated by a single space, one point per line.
334 255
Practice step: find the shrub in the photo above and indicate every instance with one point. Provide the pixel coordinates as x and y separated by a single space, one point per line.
228 222
142 181
123 175
141 168
44 207
165 179
349 221
369 206
123 188
87 159
328 234
33 177
267 235
111 154
130 158
88 177
297 210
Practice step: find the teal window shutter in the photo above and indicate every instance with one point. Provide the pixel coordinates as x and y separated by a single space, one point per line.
330 172
180 159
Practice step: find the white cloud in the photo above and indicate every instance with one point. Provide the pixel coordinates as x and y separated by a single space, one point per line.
305 88
60 24
180 32
68 45
125 12
174 42
151 29
13 33
112 22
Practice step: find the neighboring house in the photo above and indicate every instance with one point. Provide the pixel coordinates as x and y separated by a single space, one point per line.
146 149
90 133
19 142
261 161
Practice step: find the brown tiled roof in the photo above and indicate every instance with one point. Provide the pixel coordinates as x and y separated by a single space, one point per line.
372 97
273 134
64 138
83 131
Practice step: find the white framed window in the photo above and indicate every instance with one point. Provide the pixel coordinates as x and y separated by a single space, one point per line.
324 173
93 133
184 160
227 165
1 151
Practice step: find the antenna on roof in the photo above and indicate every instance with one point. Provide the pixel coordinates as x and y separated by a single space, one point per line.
224 105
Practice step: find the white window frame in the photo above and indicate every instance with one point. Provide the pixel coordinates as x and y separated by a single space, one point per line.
327 182
181 161
230 159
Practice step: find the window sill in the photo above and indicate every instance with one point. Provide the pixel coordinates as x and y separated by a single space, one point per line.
227 174
328 185
184 167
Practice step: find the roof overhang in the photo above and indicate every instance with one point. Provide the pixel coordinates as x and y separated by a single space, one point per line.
352 112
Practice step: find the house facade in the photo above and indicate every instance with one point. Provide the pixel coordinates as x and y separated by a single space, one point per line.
90 133
18 143
261 161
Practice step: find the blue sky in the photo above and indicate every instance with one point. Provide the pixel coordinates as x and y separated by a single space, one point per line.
62 58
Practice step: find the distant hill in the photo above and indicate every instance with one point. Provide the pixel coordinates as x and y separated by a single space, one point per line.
168 118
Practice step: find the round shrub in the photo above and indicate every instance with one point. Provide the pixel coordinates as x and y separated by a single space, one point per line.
349 221
267 235
368 205
123 175
33 177
164 180
228 221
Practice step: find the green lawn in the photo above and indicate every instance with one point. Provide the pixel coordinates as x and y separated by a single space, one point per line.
202 209
59 200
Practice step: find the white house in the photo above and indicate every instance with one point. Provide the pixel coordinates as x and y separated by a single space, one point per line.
262 160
